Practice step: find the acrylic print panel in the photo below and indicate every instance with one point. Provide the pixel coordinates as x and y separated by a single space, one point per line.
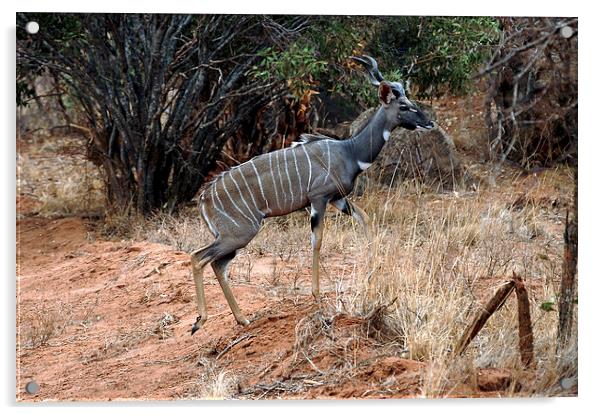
378 206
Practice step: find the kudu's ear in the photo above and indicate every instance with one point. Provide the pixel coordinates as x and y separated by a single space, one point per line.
385 93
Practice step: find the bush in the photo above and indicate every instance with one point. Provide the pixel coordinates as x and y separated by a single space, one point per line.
165 96
531 105
436 55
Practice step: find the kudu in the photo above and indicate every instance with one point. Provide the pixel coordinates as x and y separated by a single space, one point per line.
314 172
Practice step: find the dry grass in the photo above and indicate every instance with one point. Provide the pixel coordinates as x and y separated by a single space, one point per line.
213 384
39 323
442 257
59 179
42 323
117 344
184 232
437 258
122 340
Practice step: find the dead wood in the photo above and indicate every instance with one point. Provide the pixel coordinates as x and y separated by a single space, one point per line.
498 299
566 298
525 329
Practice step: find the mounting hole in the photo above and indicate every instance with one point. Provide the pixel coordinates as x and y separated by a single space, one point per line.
32 28
566 32
32 387
567 383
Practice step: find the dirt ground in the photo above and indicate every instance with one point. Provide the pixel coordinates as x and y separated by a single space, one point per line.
118 317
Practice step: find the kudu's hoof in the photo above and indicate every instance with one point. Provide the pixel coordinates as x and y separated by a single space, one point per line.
196 325
244 322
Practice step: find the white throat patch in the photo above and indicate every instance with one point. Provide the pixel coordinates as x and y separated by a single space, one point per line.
386 135
363 165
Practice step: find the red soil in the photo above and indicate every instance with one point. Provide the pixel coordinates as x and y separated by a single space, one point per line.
104 302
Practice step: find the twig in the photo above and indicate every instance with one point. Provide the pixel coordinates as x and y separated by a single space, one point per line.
157 269
312 364
234 343
177 359
378 309
526 46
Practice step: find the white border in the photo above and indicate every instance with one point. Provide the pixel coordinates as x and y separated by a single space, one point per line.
432 7
589 152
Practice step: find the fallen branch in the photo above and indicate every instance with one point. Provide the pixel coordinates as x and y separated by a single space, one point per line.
566 299
170 361
232 344
525 329
498 299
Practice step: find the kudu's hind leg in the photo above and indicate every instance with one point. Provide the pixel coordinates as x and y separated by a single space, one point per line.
199 259
220 267
318 208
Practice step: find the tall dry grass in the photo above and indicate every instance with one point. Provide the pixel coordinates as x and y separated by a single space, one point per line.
440 257
213 383
437 258
56 175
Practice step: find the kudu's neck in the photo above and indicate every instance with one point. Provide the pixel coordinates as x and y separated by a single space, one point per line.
366 145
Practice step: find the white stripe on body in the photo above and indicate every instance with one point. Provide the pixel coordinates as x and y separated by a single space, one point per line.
244 179
328 170
220 210
308 167
274 181
363 165
267 206
207 221
280 180
234 203
290 183
244 201
298 174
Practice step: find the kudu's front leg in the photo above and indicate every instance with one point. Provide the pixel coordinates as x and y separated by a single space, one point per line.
220 267
362 217
351 209
318 208
357 213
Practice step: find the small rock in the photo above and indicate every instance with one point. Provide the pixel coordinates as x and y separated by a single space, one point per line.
490 380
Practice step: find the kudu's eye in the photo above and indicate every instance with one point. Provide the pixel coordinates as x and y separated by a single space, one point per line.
403 107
